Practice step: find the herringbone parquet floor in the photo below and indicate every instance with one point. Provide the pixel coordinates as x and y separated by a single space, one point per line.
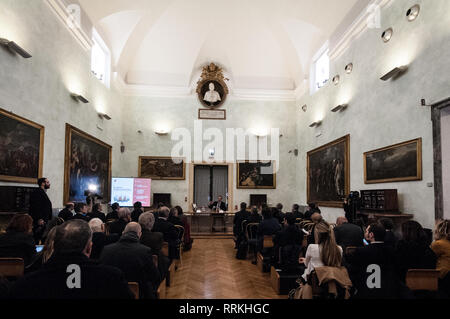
211 271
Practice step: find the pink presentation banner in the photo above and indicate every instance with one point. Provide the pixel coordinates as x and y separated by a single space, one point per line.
142 191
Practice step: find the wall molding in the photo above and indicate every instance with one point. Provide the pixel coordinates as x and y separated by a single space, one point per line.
353 31
59 8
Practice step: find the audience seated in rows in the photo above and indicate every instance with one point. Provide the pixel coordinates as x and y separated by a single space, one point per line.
278 213
134 259
81 210
390 239
267 227
137 211
312 209
173 217
58 277
97 213
238 220
45 254
347 234
114 214
412 251
187 245
288 244
154 240
119 225
18 240
99 238
441 247
68 212
162 225
296 212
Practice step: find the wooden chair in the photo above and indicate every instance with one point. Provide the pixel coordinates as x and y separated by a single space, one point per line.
12 267
134 287
268 242
422 279
180 230
170 274
275 280
165 249
251 231
350 250
162 290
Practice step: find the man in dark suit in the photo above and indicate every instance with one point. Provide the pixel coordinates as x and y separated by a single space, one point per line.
155 241
114 213
99 238
136 212
68 212
97 213
135 260
40 208
60 279
239 217
348 235
81 212
219 205
119 225
366 261
169 230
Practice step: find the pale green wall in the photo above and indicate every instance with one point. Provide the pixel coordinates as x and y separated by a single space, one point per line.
38 88
385 113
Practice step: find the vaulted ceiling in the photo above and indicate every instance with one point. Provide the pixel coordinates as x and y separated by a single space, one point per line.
261 44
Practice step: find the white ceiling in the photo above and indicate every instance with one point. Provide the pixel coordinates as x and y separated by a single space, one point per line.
261 44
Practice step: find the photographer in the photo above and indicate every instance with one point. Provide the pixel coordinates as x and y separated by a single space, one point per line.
352 205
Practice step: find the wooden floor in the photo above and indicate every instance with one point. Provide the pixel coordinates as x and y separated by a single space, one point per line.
211 271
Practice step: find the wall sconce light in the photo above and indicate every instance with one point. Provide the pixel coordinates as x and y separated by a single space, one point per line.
304 108
413 13
212 152
336 79
15 48
79 97
394 73
340 107
387 34
122 147
349 68
104 116
139 132
161 132
316 124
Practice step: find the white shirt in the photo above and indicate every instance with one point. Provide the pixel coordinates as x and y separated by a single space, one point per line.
313 260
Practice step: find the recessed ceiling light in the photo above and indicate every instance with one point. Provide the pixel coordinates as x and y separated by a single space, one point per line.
349 68
387 35
336 79
413 12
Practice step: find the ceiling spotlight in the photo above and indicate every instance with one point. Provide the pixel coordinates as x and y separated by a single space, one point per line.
315 124
79 97
304 108
394 73
336 79
104 116
349 68
339 108
387 35
15 47
413 13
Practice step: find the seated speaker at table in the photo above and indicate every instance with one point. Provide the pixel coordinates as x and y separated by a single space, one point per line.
219 205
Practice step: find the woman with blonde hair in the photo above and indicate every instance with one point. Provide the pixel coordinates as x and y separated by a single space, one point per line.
325 251
441 247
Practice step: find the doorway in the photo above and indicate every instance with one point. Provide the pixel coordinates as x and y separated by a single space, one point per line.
210 182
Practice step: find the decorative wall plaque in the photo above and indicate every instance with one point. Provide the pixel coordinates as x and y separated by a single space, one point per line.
211 89
208 114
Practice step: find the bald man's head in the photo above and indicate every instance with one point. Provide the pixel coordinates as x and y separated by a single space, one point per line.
316 217
341 220
133 227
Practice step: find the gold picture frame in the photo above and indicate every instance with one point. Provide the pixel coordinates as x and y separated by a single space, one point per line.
244 179
77 173
328 173
400 162
148 165
25 150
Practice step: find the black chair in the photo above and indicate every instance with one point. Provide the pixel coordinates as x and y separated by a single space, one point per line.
251 232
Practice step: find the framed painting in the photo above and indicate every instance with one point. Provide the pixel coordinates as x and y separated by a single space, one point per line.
162 168
396 163
256 175
87 166
21 149
328 173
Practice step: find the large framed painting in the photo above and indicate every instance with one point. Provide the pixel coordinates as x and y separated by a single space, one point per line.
21 149
256 175
328 173
162 168
87 164
396 163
